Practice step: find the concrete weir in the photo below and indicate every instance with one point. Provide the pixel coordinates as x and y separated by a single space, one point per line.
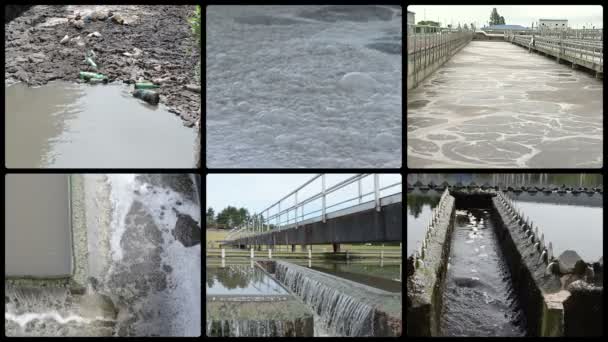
426 271
346 307
551 306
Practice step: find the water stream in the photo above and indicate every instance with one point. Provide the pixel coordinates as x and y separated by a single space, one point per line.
479 299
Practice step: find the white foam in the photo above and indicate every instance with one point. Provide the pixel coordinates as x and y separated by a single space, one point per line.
121 196
24 319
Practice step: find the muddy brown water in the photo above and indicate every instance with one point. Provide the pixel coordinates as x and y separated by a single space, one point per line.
72 125
37 227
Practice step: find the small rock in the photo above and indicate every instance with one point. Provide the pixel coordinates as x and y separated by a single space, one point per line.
11 69
36 57
65 39
167 268
567 261
579 268
187 230
100 15
94 34
79 24
21 59
117 18
157 68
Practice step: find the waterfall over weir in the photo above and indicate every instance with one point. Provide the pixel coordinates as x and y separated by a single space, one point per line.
344 315
345 307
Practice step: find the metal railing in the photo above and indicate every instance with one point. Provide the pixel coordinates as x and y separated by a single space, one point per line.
430 49
581 50
272 218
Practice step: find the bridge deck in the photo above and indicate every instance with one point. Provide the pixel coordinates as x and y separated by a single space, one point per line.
362 223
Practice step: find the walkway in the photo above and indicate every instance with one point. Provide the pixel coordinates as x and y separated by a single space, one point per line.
495 105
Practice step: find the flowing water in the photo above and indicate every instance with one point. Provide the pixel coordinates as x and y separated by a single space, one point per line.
342 313
479 299
82 126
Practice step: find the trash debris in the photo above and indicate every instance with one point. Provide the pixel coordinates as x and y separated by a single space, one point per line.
90 75
88 57
193 87
65 39
145 85
94 34
136 53
147 95
161 80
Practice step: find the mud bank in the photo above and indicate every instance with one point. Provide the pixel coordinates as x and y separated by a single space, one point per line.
156 39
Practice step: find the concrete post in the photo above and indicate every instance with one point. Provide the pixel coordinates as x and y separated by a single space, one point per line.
269 253
309 252
223 253
347 254
293 248
251 253
336 247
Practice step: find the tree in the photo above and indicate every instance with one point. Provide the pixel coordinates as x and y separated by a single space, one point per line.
502 20
466 27
494 17
210 216
459 26
429 23
472 27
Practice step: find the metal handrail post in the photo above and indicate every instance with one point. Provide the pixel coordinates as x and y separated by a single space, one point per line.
323 191
359 184
296 209
377 191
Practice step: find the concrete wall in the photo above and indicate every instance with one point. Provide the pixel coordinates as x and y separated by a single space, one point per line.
426 279
540 294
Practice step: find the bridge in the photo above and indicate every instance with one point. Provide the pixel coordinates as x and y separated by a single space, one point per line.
322 217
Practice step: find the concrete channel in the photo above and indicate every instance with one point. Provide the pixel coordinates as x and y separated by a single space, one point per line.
546 296
493 104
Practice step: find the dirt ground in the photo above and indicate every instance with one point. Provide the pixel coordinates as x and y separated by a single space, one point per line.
167 52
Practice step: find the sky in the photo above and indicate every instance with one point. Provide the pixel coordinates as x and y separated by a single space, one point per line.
522 15
257 192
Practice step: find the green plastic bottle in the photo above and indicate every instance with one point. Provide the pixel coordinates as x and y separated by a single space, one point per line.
145 85
88 75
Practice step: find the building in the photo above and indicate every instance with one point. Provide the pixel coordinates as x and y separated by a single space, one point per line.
552 24
503 28
411 20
